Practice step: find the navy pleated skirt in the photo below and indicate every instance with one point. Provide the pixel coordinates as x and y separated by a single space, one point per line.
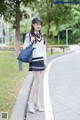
37 65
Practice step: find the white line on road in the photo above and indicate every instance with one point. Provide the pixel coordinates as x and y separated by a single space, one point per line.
47 102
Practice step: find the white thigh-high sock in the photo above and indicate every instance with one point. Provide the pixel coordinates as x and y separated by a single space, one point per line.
37 95
35 88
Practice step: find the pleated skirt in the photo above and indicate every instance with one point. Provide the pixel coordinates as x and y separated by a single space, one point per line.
37 65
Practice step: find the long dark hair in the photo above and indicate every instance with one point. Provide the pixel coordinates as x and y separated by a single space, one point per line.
33 34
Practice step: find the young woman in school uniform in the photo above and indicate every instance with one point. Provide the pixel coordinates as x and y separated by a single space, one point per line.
38 63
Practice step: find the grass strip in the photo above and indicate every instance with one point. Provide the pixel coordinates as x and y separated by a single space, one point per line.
11 80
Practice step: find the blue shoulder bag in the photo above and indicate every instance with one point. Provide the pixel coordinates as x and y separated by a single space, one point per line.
26 55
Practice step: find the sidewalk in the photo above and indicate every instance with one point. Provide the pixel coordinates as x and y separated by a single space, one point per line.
20 107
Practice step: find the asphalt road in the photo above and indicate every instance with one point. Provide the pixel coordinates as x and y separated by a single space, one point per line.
64 85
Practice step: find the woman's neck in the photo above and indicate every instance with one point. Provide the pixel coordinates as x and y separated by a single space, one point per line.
36 30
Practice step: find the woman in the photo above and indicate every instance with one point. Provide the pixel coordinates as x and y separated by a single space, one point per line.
38 63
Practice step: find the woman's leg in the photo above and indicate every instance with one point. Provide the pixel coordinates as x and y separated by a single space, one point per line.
35 89
37 97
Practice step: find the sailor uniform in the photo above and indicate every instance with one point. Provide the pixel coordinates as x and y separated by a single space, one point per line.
39 53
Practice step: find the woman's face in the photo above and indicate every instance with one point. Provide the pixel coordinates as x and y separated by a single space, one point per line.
37 26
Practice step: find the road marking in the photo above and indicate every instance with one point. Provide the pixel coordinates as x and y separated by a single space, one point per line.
47 101
46 95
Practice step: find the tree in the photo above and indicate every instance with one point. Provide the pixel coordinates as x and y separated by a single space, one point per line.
53 15
13 14
45 11
76 23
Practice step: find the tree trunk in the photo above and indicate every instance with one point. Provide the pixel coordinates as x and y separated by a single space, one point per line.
47 33
17 38
48 22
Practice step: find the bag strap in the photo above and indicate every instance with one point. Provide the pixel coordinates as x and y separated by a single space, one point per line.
30 36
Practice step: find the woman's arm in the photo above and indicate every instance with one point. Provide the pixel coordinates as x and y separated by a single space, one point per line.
28 41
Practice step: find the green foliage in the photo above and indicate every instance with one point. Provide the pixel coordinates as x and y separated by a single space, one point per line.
71 22
9 8
2 7
55 17
59 16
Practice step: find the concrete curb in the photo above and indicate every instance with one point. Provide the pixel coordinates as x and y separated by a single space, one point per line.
19 109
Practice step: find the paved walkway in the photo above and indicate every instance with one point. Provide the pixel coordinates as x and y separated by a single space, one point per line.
64 85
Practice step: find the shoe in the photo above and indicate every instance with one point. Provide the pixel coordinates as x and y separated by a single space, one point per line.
39 108
31 108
